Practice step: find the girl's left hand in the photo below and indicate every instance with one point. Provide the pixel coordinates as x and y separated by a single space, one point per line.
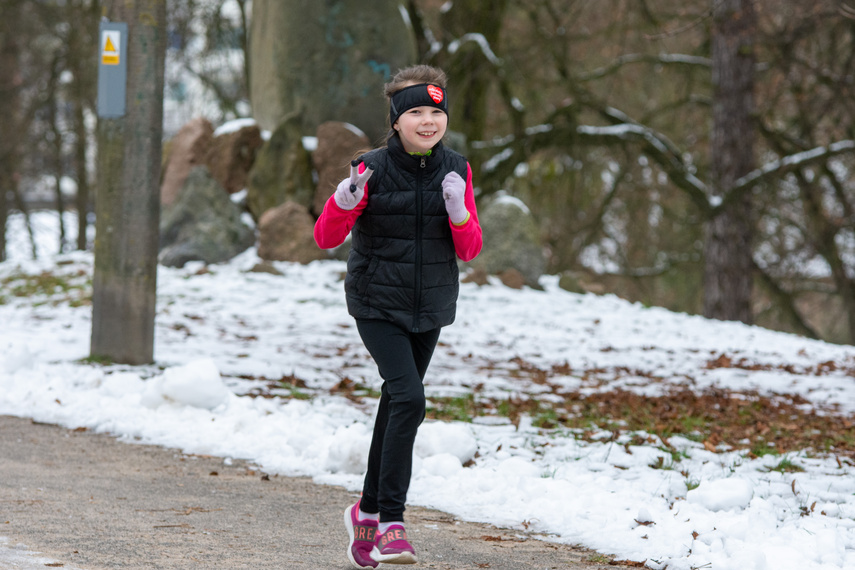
453 189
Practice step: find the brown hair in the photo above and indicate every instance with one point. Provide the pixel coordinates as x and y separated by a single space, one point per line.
412 75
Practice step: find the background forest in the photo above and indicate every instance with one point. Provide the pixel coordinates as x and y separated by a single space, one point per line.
660 145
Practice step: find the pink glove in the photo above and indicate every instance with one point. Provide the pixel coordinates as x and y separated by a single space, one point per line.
350 191
453 188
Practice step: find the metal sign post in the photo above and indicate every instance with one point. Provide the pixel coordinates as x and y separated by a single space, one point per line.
112 69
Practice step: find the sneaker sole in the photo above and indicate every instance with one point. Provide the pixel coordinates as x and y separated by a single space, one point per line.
350 537
399 558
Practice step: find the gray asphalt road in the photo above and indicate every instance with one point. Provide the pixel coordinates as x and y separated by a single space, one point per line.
85 501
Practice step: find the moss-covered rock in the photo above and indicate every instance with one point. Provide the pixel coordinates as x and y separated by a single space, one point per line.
202 224
511 241
282 171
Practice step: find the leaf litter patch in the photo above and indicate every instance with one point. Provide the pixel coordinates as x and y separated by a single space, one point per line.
720 419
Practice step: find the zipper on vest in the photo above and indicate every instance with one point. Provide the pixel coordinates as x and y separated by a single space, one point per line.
417 295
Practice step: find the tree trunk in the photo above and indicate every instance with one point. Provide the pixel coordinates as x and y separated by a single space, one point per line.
84 17
82 198
128 196
10 102
470 71
326 60
15 189
470 67
56 131
728 252
244 42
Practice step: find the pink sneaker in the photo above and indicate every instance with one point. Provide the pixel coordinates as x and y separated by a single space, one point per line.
362 536
392 547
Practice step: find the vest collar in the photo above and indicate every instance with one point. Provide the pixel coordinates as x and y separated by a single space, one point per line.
411 162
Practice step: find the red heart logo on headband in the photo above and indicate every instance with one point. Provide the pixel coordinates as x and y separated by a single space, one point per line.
435 93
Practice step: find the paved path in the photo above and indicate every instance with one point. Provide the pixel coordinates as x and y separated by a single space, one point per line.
84 501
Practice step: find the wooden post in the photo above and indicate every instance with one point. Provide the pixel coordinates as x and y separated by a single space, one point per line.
127 212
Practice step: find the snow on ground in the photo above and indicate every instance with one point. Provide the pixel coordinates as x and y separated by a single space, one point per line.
17 557
224 333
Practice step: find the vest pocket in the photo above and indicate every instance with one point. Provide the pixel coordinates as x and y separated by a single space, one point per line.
364 280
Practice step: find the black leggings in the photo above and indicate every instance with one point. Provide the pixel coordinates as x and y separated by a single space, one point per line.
402 359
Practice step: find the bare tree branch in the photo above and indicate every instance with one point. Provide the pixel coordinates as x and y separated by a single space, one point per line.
664 58
660 150
847 11
786 302
777 168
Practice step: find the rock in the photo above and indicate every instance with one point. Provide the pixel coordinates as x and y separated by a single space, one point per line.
285 234
477 275
570 282
202 224
187 150
265 267
282 171
231 156
512 278
511 241
338 144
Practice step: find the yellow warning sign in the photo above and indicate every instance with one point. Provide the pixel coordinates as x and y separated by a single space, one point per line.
111 40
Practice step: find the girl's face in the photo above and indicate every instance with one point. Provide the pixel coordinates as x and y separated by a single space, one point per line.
421 128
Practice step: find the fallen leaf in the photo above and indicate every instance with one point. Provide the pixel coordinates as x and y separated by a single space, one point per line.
723 361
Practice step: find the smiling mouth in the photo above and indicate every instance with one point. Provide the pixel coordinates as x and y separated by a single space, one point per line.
427 135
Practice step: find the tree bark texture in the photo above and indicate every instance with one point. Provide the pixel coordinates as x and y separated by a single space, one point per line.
128 195
728 249
82 198
470 72
10 102
326 60
56 147
84 17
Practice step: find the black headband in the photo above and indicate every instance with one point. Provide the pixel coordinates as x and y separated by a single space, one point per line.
423 94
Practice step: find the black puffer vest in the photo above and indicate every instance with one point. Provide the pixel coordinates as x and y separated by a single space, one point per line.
402 265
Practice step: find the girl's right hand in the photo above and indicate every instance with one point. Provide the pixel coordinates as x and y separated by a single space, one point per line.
350 191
